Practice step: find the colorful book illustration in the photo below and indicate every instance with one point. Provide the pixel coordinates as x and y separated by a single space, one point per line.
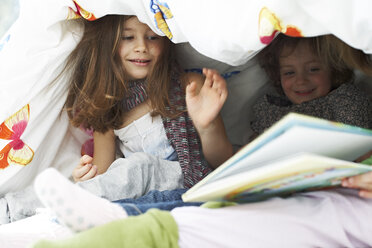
297 153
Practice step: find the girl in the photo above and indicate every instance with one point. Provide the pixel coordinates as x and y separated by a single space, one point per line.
315 76
125 84
312 76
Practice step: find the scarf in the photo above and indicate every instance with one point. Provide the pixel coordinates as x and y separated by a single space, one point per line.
180 130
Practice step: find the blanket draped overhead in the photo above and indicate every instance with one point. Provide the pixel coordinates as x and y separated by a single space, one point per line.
34 134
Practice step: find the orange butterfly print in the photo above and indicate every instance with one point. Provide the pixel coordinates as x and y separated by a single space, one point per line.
16 151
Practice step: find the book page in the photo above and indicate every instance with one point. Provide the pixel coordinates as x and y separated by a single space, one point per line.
282 176
292 134
340 145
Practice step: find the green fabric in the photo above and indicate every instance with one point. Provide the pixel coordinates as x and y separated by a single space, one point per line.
155 228
367 161
217 204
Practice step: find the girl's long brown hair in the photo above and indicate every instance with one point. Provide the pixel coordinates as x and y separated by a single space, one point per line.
98 81
341 58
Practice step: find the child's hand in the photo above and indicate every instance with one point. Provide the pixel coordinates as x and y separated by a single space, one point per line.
84 170
362 182
205 105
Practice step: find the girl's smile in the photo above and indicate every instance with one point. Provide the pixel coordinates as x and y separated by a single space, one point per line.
140 62
302 75
304 92
140 49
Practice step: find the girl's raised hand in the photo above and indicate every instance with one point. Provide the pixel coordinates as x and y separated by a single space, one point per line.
205 104
84 170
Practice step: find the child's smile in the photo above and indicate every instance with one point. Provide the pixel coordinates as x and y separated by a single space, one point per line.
140 62
140 48
303 76
304 92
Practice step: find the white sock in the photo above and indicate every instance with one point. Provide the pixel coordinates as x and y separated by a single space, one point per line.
75 207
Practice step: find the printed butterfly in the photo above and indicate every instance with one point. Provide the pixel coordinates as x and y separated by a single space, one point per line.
16 151
161 12
270 24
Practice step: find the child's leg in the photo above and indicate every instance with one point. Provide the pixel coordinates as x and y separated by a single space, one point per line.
153 229
157 196
164 200
334 218
78 208
74 206
136 209
134 176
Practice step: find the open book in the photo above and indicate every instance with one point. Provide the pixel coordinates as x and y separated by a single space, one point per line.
297 153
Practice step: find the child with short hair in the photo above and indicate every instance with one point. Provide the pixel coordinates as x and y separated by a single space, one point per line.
315 76
311 78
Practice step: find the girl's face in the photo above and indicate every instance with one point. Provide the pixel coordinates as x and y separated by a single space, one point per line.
303 76
140 48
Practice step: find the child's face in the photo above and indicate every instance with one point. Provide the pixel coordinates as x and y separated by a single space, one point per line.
303 76
140 48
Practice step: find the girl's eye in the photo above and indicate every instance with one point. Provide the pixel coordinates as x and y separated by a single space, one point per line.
287 73
314 69
127 38
152 37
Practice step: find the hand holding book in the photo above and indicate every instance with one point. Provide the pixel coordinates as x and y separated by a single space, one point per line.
363 181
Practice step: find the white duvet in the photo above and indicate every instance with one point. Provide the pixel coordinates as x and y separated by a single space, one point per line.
220 34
